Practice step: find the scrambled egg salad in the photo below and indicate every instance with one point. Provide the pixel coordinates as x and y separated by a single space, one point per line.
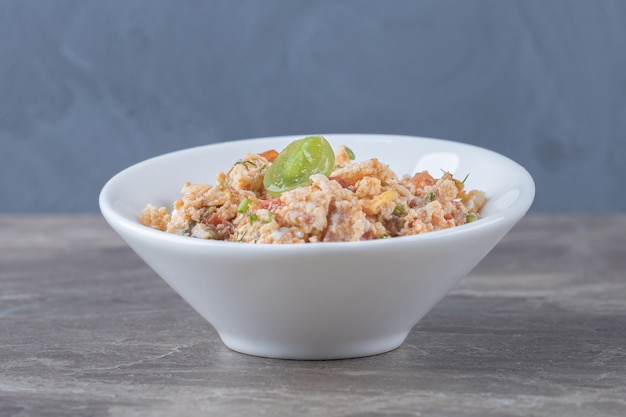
309 193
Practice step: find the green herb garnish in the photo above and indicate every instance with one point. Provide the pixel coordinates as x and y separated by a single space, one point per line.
188 228
240 238
295 164
398 210
243 205
245 161
350 153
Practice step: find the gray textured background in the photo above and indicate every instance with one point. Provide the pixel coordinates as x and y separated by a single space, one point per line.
90 87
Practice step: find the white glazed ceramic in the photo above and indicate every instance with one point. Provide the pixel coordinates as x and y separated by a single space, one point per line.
322 300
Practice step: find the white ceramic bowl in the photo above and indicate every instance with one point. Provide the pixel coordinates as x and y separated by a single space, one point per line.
321 300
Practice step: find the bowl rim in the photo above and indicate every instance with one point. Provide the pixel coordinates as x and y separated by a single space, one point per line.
514 211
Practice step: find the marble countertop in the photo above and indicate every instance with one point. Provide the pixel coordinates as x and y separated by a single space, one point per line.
538 328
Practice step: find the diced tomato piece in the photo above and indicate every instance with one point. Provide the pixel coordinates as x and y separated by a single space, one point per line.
214 219
272 202
422 179
270 155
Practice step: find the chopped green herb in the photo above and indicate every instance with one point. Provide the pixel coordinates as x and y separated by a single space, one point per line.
243 206
269 217
398 210
472 217
245 161
253 217
240 238
431 196
384 236
188 228
350 153
465 179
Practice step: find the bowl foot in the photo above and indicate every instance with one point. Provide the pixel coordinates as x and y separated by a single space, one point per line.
313 350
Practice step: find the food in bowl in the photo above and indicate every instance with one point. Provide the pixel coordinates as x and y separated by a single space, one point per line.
309 193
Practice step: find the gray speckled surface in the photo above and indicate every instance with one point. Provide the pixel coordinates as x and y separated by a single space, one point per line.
88 88
538 328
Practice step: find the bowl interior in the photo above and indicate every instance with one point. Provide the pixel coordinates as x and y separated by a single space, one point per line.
509 187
